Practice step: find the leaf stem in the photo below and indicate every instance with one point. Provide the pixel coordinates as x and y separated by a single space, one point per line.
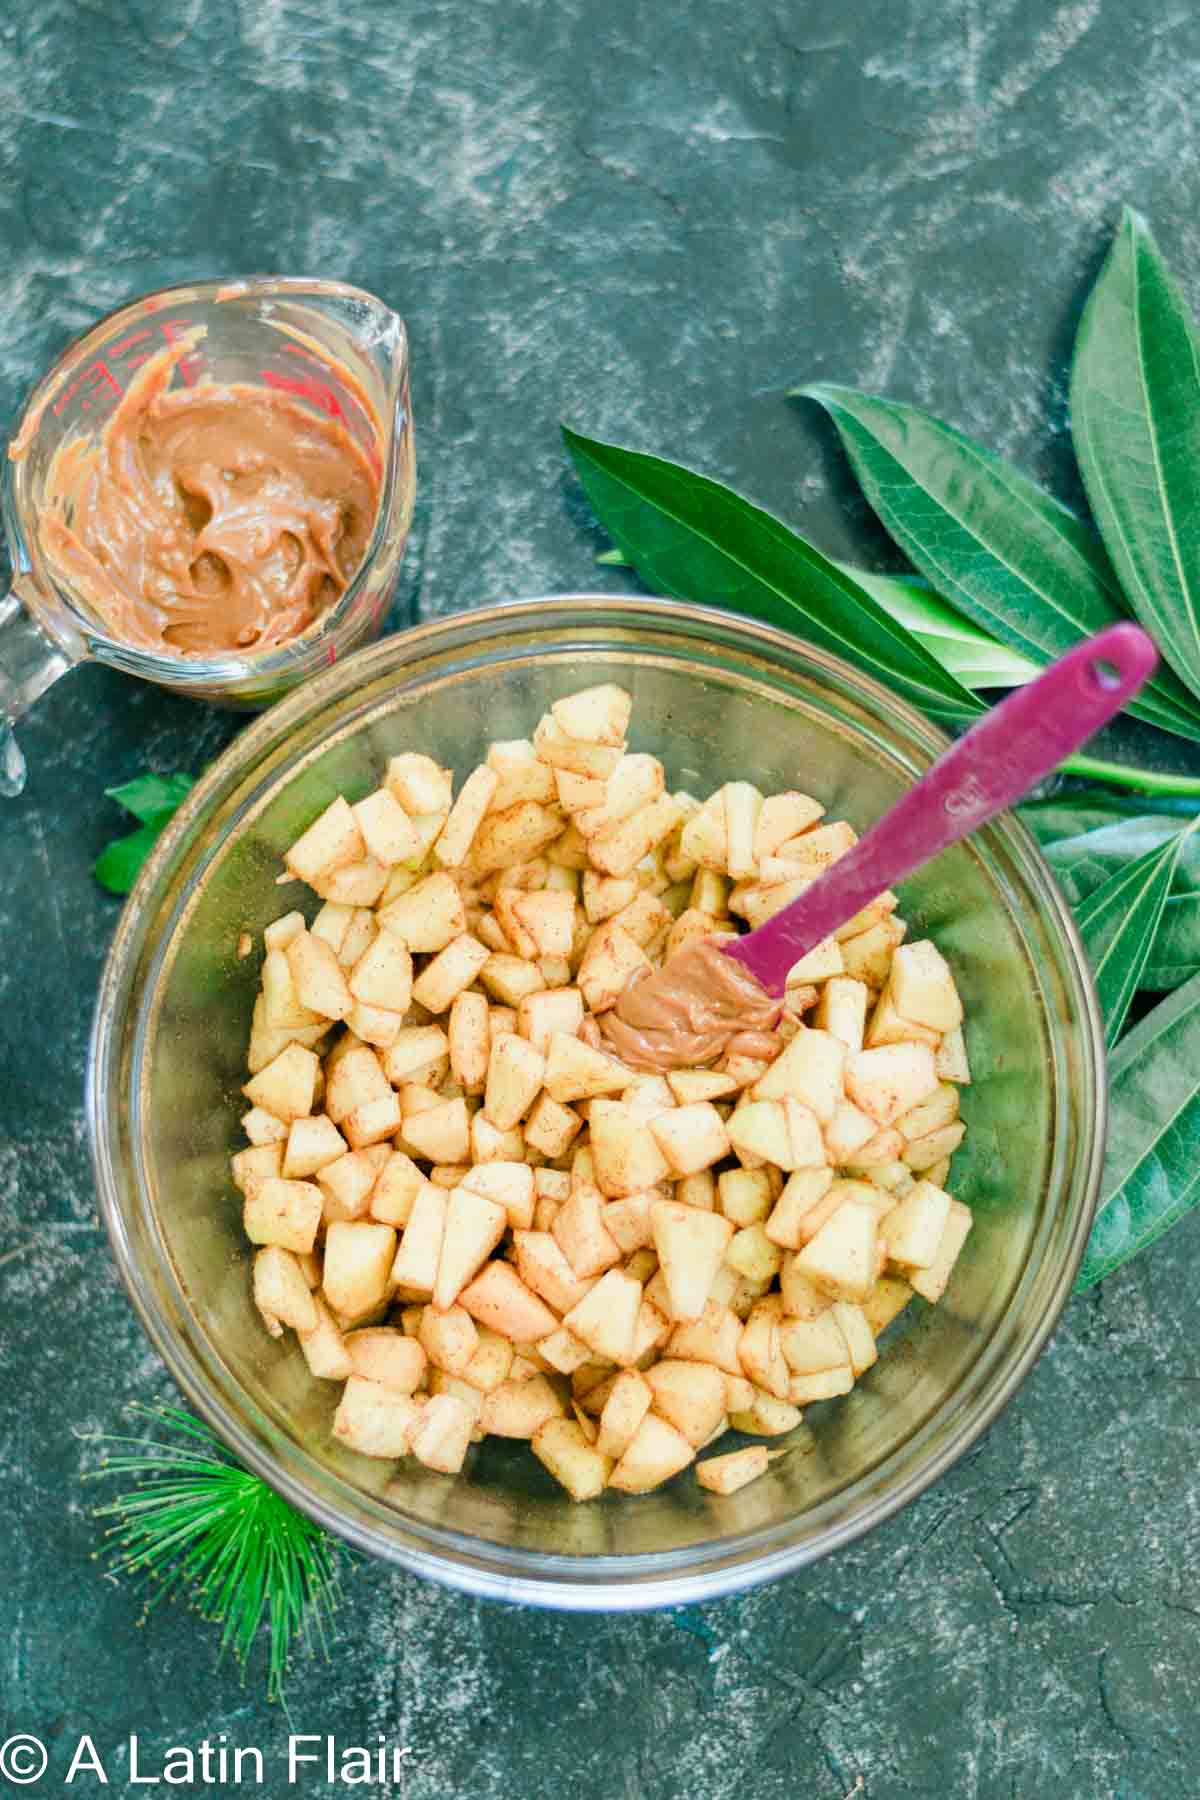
1145 781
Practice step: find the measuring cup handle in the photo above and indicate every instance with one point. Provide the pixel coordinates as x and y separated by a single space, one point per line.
30 662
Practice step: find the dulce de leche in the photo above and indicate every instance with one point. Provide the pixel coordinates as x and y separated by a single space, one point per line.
699 1005
206 519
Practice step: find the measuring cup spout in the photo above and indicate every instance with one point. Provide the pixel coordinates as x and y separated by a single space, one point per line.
30 662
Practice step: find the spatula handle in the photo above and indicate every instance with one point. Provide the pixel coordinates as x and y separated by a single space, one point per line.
1009 751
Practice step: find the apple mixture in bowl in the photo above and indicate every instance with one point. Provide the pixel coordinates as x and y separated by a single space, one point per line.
477 1219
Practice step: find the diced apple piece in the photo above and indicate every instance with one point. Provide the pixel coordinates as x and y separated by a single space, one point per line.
286 1213
736 1469
625 1155
814 1346
469 1041
324 1348
515 1073
372 1122
514 836
286 1086
753 1254
448 1337
516 1409
414 1049
489 1145
465 817
312 1143
887 1026
655 1453
281 1293
923 987
912 1232
627 1404
809 1069
596 715
951 1058
418 783
804 1190
511 1185
386 829
691 1246
698 1190
347 1185
474 1226
847 1132
702 839
549 918
628 1221
263 1128
563 1352
783 817
499 1298
375 1025
416 1264
860 1339
619 850
353 1078
712 1338
691 1137
317 977
931 1282
806 1390
868 955
250 1168
358 937
443 1134
428 916
522 776
492 1361
442 1433
940 1109
768 1417
387 1356
801 1298
284 930
375 1420
890 1080
358 1264
551 1128
842 1010
561 1446
841 1258
574 1071
383 974
580 1232
357 884
331 841
511 979
559 751
609 961
451 971
607 1316
929 1152
760 1351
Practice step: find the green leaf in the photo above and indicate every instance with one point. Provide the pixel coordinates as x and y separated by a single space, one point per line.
1152 1164
1175 952
1070 815
152 797
970 655
1083 864
1135 417
993 542
1118 922
692 537
118 865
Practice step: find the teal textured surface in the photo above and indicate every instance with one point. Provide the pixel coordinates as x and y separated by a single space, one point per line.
650 223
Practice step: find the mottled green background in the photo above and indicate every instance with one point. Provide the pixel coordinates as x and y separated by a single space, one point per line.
651 221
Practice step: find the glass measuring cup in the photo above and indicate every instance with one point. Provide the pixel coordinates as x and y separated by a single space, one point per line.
334 348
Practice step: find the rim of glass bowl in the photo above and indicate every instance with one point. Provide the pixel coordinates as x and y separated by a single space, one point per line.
65 619
476 1566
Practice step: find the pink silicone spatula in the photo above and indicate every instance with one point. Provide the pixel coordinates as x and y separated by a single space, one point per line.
1011 749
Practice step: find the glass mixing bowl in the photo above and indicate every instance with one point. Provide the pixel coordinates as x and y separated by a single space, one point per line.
716 697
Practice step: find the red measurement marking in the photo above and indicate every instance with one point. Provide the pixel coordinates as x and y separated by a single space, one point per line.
317 393
135 337
95 377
